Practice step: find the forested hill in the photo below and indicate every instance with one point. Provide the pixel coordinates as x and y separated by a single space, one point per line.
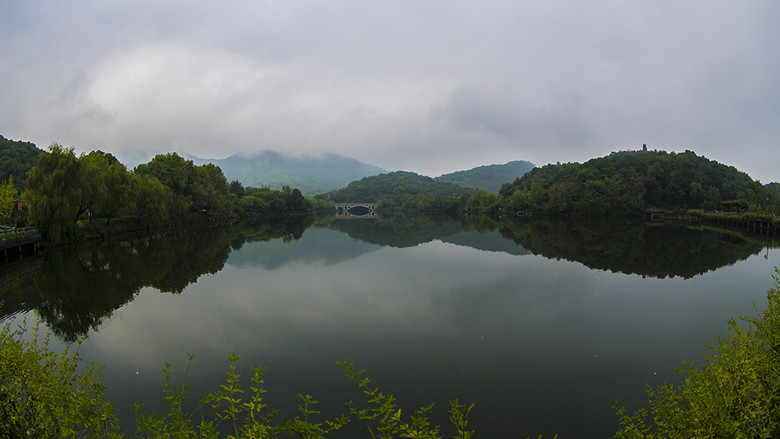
629 182
489 178
395 185
16 159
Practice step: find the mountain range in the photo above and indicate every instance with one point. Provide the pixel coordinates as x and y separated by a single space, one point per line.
314 175
490 177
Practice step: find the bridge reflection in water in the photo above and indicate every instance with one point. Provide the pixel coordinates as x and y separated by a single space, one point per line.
355 210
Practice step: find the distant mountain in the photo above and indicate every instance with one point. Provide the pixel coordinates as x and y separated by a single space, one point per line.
774 186
311 175
394 185
489 178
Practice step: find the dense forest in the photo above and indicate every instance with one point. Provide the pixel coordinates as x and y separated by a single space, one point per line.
402 190
16 160
631 182
627 183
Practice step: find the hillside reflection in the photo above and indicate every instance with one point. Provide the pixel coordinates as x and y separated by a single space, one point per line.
659 250
75 288
649 249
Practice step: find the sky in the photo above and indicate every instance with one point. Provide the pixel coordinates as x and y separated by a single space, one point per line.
428 86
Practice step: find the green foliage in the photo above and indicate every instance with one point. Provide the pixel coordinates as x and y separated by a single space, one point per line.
46 394
64 189
383 412
105 183
735 393
264 202
196 188
627 183
240 414
16 158
54 193
7 198
775 186
397 186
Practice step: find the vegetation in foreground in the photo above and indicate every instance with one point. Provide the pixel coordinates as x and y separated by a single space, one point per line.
45 394
735 393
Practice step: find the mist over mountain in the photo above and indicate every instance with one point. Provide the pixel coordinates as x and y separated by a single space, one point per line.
310 174
490 177
314 175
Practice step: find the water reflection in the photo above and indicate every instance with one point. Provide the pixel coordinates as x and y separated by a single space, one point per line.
649 249
75 288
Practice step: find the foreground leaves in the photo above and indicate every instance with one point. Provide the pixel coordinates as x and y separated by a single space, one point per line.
735 393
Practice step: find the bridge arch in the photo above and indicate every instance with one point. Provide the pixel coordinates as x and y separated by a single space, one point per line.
355 210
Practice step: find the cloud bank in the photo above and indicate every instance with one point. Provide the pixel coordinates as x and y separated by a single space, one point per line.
430 87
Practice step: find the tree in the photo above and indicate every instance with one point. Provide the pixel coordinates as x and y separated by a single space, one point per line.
153 201
105 185
237 189
199 188
53 193
16 158
7 198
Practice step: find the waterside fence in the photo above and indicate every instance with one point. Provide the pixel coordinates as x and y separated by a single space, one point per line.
755 222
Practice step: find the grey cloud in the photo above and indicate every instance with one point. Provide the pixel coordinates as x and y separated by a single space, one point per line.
557 120
430 87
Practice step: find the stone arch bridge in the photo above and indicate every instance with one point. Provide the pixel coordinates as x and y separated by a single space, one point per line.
355 210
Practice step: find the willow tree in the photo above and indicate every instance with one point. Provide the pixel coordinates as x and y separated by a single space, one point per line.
7 198
53 193
106 185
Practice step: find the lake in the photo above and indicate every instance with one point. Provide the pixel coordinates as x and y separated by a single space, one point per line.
543 325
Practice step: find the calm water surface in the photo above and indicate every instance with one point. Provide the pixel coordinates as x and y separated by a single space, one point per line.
542 325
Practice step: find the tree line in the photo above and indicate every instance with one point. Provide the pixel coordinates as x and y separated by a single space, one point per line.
623 184
631 182
62 190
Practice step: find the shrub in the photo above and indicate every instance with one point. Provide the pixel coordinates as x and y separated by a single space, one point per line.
735 393
45 394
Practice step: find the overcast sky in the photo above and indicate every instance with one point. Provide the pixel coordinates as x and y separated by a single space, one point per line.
424 86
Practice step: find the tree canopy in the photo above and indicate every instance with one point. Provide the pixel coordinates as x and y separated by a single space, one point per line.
629 182
64 189
16 159
394 185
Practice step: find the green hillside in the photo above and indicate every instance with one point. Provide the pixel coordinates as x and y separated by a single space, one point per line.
488 178
16 159
629 182
394 185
